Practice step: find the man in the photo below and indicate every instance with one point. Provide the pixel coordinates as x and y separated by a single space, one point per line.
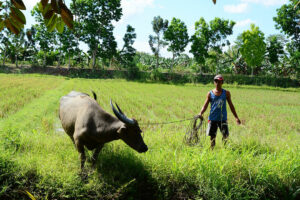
218 113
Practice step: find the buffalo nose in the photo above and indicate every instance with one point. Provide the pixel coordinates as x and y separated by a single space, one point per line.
144 149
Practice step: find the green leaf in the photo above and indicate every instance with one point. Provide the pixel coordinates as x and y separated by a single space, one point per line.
19 15
19 4
60 25
1 25
40 6
52 23
16 23
11 27
46 9
44 2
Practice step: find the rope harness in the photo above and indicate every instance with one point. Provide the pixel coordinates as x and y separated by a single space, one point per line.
195 132
171 122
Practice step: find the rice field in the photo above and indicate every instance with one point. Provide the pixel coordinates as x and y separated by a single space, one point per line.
260 161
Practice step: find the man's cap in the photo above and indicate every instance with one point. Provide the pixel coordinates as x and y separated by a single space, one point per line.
219 77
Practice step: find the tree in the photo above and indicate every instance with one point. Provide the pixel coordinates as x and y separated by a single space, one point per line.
30 43
293 58
253 47
4 45
17 45
95 20
210 36
177 36
233 56
288 20
56 14
275 49
69 45
159 26
46 40
127 53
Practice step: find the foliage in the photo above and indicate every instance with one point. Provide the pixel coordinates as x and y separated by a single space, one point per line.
253 47
46 40
128 52
95 25
177 37
68 44
210 36
56 14
260 161
159 26
275 49
288 18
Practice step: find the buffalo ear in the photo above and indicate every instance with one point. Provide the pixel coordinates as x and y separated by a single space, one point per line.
122 130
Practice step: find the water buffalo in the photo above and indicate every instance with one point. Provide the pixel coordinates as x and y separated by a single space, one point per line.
89 125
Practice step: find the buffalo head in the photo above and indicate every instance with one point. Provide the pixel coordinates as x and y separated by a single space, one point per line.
130 131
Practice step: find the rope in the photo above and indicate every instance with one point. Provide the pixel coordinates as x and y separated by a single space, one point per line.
171 122
195 132
192 137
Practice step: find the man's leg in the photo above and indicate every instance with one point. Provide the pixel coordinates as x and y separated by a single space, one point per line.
212 132
224 129
212 142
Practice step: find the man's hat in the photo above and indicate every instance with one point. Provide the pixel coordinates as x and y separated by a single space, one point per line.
219 77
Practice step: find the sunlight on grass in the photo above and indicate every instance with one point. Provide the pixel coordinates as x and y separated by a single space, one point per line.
261 160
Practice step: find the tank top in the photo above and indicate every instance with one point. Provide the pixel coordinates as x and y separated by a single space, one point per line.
218 107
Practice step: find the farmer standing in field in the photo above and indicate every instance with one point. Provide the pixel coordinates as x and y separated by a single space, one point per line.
218 113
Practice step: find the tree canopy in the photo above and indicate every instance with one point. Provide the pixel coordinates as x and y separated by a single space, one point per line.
253 47
177 37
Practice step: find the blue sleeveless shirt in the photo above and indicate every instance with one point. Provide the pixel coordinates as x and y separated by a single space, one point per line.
218 107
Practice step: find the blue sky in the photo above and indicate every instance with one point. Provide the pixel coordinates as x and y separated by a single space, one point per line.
140 13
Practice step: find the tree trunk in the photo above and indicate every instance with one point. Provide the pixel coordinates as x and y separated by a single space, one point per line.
157 64
16 59
4 56
44 62
69 65
94 58
157 51
58 61
172 66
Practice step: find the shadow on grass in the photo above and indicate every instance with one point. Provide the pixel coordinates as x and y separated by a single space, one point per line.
12 184
125 172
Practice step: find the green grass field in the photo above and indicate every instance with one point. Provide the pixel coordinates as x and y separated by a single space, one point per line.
260 161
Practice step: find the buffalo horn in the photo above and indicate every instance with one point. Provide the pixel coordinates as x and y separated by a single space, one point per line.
120 115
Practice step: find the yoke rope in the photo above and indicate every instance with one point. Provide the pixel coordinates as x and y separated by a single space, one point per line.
171 122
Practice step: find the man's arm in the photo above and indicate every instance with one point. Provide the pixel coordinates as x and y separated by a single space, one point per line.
228 97
204 106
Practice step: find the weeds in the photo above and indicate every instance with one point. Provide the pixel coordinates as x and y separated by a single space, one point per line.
261 160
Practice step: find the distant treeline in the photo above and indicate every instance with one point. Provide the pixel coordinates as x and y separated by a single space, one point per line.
164 77
252 53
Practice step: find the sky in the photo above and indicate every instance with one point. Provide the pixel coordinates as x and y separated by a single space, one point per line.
140 13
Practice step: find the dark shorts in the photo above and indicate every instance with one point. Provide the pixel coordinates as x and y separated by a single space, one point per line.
213 127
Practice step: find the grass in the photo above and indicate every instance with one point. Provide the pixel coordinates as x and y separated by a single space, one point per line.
261 160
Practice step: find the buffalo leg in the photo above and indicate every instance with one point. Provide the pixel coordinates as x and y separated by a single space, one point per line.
80 149
96 153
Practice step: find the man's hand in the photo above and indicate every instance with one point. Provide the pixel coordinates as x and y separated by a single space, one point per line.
238 121
199 116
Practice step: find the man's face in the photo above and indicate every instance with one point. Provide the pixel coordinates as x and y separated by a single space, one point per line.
218 82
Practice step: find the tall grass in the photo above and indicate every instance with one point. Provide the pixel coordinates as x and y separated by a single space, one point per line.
261 160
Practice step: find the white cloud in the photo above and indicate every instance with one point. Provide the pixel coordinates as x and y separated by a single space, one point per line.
240 8
133 7
267 2
142 46
30 4
244 23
